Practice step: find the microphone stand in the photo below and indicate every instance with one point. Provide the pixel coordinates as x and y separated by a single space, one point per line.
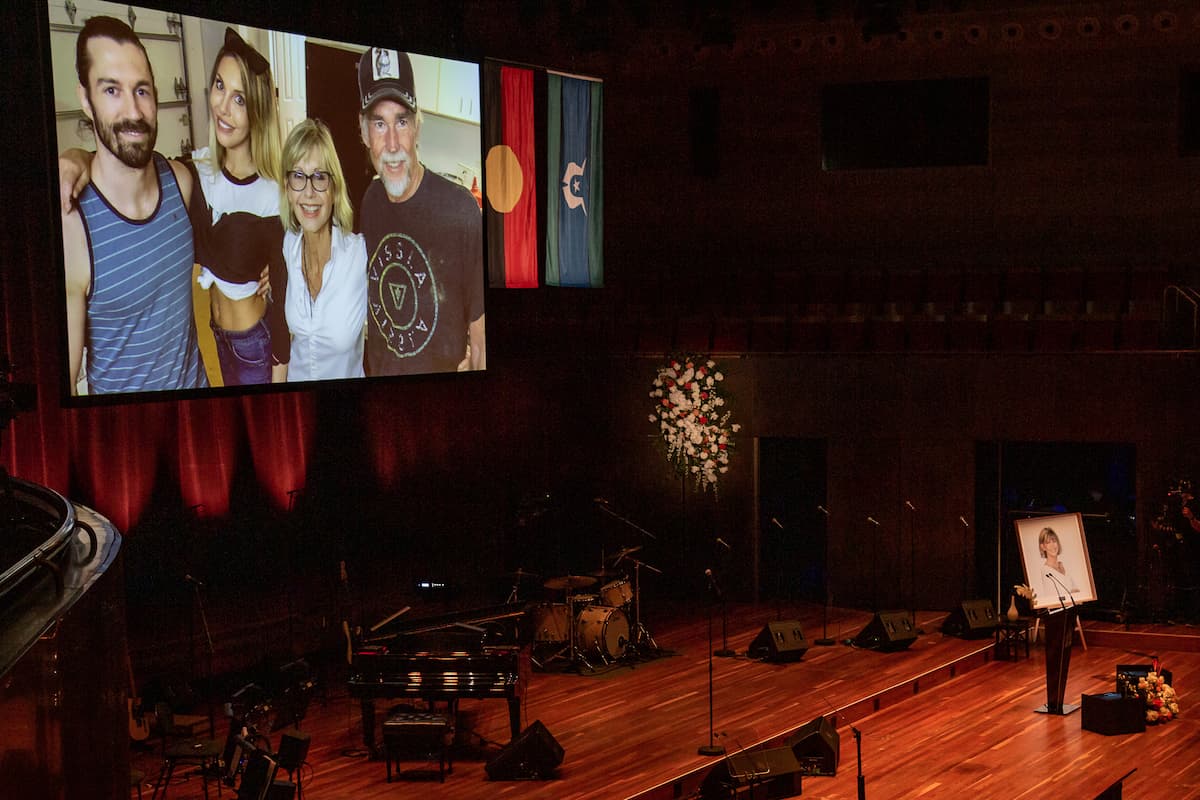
825 641
724 652
712 748
208 654
912 562
862 781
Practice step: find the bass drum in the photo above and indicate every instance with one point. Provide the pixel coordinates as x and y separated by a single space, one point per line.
602 630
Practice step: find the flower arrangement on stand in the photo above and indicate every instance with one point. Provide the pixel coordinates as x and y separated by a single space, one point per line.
692 418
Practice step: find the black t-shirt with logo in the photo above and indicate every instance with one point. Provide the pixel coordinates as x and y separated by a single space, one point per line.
424 276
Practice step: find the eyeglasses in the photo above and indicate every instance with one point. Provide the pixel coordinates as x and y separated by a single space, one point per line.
297 180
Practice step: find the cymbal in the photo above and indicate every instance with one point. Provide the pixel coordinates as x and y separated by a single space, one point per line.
521 574
569 582
605 573
624 551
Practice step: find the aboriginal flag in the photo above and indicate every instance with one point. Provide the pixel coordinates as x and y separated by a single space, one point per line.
575 182
511 177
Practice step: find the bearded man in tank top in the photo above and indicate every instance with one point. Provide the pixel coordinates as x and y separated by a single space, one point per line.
128 245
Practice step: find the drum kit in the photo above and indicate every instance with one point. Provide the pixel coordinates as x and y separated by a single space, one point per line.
589 628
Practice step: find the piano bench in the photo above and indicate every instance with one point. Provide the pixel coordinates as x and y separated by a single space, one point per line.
423 733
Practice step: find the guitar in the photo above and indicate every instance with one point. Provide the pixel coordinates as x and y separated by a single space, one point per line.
139 726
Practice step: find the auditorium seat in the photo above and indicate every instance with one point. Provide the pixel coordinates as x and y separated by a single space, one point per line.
1106 290
906 289
1141 328
826 293
943 290
981 289
654 334
865 291
730 334
1054 333
967 332
1022 291
769 333
788 290
693 333
1098 331
809 334
886 334
1146 286
925 332
848 333
1063 290
1011 332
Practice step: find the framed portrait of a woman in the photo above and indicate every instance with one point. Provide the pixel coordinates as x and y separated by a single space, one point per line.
1054 554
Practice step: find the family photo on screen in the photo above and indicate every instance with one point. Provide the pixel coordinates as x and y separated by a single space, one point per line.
311 212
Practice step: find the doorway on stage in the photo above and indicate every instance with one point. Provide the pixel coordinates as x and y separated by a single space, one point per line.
792 529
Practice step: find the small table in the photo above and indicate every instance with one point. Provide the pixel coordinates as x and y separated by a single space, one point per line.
1010 635
417 732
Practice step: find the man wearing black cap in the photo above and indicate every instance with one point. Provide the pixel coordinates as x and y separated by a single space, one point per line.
424 237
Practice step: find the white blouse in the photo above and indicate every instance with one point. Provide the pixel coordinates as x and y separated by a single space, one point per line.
327 333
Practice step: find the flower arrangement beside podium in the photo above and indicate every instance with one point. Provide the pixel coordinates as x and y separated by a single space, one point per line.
1162 705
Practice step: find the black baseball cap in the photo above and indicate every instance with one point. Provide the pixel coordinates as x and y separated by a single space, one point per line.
386 75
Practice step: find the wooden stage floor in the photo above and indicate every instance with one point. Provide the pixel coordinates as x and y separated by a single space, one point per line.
940 719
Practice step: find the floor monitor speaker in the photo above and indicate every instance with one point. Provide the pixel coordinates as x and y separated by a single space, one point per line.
293 749
281 790
534 755
887 630
972 619
779 641
1113 714
772 773
257 777
817 747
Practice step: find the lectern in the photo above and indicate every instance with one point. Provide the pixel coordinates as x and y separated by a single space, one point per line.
1060 627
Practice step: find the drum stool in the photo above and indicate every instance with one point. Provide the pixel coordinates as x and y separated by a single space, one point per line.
417 732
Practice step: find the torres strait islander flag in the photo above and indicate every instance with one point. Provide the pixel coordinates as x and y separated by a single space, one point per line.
575 183
510 177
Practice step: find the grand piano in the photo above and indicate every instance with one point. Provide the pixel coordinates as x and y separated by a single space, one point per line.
472 654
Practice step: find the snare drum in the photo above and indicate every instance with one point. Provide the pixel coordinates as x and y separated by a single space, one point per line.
550 622
602 630
617 593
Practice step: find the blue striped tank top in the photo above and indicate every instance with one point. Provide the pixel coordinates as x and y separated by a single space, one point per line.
141 335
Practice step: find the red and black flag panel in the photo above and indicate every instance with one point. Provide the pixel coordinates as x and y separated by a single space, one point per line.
510 176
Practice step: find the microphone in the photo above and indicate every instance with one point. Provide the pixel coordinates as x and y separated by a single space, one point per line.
777 523
823 510
964 522
911 507
1063 586
192 580
713 586
873 521
723 543
600 500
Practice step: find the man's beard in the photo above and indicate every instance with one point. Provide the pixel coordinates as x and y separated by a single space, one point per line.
132 154
398 186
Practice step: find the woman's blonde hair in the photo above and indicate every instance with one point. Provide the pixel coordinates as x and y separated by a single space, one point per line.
313 136
261 109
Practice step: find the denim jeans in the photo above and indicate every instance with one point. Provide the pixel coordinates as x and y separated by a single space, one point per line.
245 356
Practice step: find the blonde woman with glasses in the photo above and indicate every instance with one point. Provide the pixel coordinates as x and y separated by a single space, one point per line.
326 295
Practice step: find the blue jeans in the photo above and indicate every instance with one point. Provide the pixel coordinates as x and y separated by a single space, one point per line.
245 356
